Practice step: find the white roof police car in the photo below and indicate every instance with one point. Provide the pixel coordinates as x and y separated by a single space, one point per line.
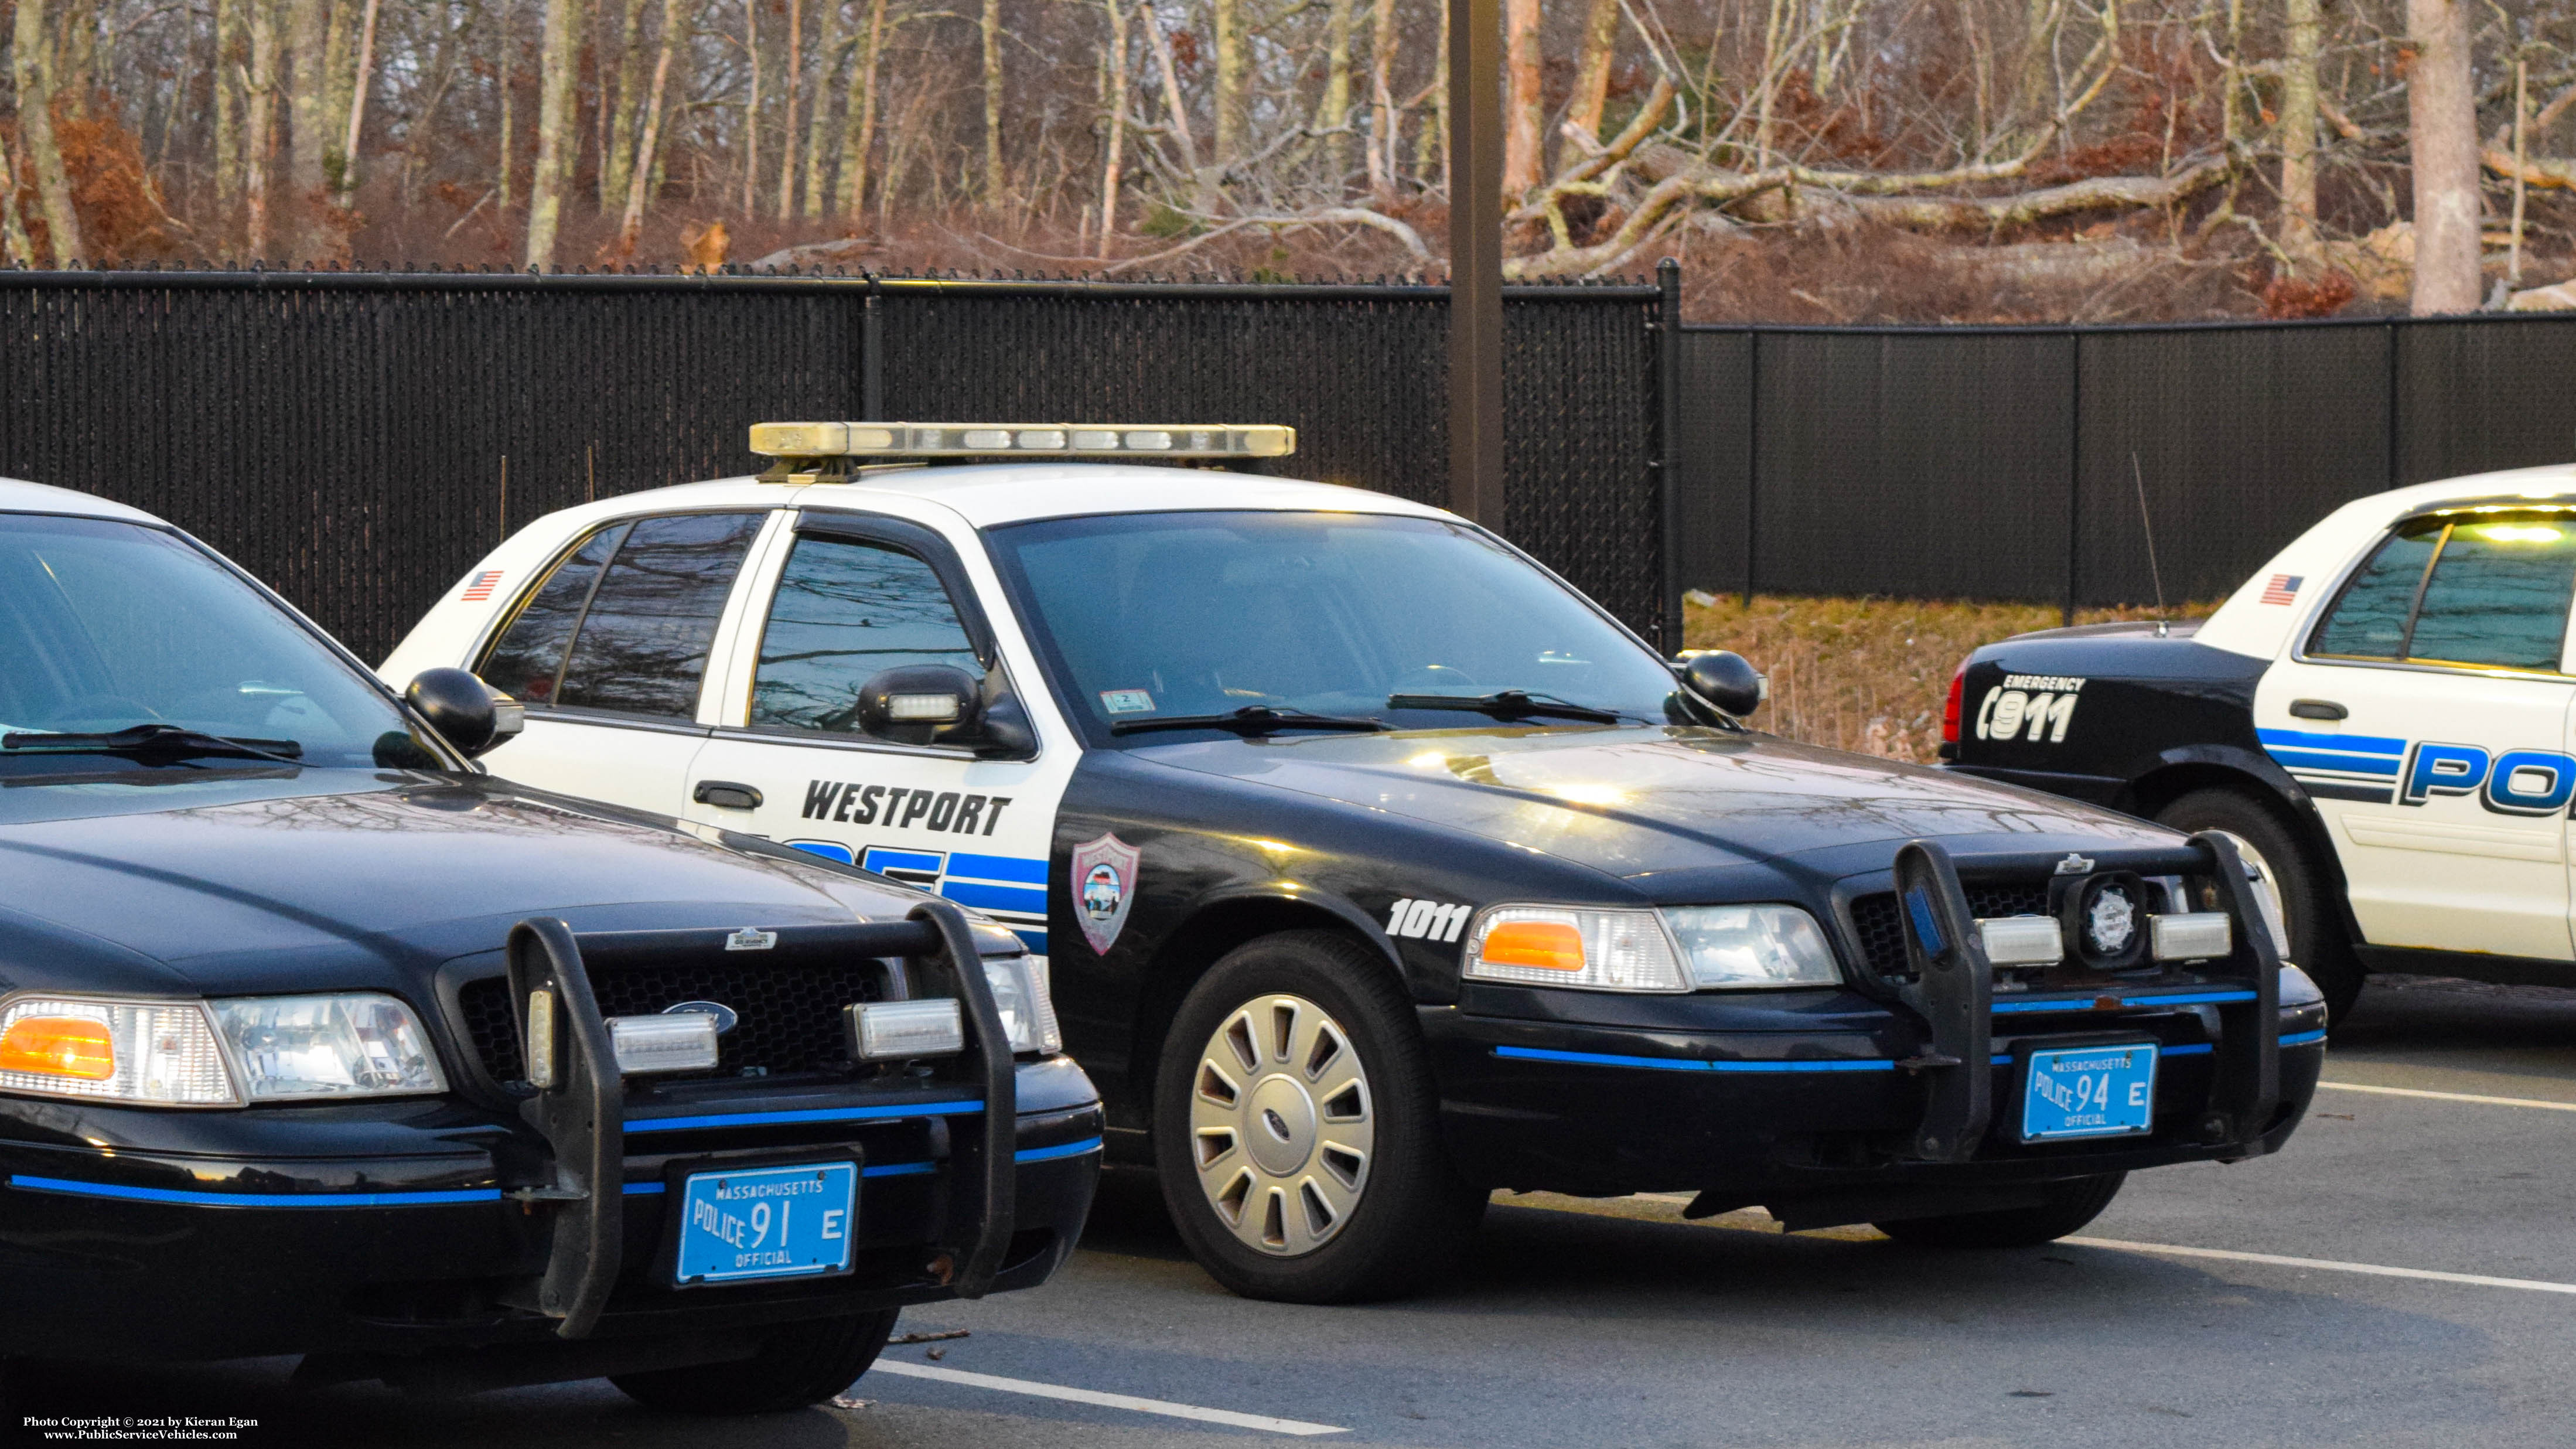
1378 867
2380 717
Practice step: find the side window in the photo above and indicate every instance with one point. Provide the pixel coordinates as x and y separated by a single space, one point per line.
844 610
643 641
2493 592
527 663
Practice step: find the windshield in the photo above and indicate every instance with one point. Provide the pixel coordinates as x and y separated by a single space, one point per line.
105 626
1152 616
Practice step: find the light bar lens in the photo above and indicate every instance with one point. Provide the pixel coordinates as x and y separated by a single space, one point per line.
151 1052
1565 946
894 1030
2199 936
673 1041
931 440
297 1048
2022 940
1752 946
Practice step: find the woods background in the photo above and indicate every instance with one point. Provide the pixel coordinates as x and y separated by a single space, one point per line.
1811 160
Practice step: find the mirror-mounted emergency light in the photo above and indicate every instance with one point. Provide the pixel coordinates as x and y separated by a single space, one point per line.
811 444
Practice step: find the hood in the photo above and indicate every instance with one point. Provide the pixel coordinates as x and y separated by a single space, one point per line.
1637 801
246 884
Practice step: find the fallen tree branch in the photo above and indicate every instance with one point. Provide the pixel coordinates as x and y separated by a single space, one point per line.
2542 171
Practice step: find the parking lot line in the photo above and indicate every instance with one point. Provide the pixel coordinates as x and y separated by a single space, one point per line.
1107 1401
2375 1270
2452 1096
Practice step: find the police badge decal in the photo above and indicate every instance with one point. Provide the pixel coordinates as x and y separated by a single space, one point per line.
1103 878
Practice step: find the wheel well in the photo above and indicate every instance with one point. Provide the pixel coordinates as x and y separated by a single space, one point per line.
1187 954
2152 792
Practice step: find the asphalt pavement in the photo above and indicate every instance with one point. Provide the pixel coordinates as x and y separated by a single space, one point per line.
2403 1274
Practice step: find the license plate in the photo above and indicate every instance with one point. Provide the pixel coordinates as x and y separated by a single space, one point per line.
2095 1091
767 1222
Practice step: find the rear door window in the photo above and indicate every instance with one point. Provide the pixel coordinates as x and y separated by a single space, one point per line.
846 608
2489 591
638 625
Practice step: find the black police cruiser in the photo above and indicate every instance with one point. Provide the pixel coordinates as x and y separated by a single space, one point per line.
2377 720
315 1039
1380 869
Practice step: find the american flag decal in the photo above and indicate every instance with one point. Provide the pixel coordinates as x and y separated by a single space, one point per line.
479 587
2283 588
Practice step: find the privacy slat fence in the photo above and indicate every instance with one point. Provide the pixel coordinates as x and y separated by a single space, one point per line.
344 435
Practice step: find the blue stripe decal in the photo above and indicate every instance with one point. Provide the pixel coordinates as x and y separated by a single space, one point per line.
2305 1038
2349 764
2196 998
995 897
823 848
1061 1149
255 1199
1677 1064
900 1169
818 1114
2350 744
998 867
2195 1049
644 1189
887 857
1031 937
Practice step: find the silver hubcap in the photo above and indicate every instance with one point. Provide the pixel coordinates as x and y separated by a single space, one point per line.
1281 1125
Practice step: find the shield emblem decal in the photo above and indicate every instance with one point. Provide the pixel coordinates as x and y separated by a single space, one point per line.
1103 880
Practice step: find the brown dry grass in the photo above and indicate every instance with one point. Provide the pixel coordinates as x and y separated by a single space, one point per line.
1868 674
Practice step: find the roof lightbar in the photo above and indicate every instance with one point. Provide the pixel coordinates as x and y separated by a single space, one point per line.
815 442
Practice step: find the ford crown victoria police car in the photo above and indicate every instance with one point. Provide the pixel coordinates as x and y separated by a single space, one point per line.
1377 867
2379 719
315 1039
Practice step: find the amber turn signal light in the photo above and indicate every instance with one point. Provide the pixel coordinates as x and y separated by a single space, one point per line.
1547 945
58 1046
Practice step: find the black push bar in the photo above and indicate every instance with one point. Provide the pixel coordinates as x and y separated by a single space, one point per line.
577 1102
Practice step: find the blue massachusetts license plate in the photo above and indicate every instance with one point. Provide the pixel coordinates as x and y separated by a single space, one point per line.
767 1222
2095 1091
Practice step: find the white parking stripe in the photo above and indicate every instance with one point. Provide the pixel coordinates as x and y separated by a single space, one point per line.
1107 1401
2375 1270
2453 1096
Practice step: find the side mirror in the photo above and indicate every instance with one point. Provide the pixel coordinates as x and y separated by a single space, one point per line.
1007 733
466 712
921 704
1725 679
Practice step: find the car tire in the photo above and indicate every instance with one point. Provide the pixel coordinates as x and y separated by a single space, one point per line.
2317 937
799 1365
2070 1206
1348 1194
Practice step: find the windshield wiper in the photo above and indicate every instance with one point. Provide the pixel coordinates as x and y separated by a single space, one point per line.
1507 704
1252 719
153 739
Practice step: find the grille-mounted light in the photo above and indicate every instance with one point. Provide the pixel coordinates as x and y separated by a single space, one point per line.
2022 940
2197 936
805 447
893 1030
673 1041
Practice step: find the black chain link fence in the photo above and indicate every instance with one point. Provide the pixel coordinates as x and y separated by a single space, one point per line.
2030 463
359 440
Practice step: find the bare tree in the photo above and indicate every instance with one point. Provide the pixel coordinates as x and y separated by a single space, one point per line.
2441 103
31 67
557 137
2302 37
994 186
1524 106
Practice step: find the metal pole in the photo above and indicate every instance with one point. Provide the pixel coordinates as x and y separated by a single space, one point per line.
1752 457
1668 437
1476 260
872 355
2074 462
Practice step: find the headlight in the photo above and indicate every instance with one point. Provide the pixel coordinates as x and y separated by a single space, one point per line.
1752 946
1028 1009
160 1053
1565 946
296 1048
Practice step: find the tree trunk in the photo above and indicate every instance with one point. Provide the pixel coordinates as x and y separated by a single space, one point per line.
363 78
818 134
1524 105
859 125
29 64
339 82
232 54
791 71
15 248
2441 105
1232 118
308 118
501 185
639 173
1109 169
1382 112
1592 70
617 159
1335 112
559 66
2299 129
751 108
1431 143
993 183
1174 101
260 142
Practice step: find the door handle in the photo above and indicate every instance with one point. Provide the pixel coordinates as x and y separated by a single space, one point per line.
2301 709
728 794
